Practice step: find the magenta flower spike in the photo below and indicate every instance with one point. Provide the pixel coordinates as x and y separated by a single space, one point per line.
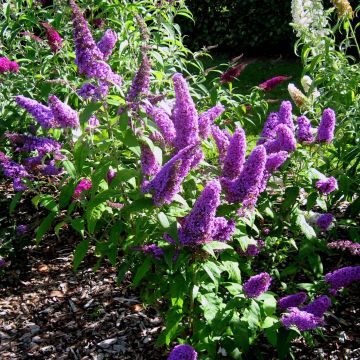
270 84
54 39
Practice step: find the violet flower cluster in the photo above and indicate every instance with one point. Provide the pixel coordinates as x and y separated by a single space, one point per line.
7 65
166 184
222 140
257 285
247 186
235 155
89 58
183 352
327 186
107 43
305 131
149 164
343 277
345 245
303 320
318 307
326 128
57 115
268 132
324 221
201 225
293 300
153 250
13 170
94 92
207 118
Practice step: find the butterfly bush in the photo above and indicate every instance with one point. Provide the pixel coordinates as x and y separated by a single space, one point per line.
183 352
201 225
343 277
305 131
7 65
252 249
257 285
149 164
270 84
83 185
54 39
293 300
345 245
318 306
268 131
222 140
327 186
324 221
107 43
326 128
301 319
235 155
207 118
64 115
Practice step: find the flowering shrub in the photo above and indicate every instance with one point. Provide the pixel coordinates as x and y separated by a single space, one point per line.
154 178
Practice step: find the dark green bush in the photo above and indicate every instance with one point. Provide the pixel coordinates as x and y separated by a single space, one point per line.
251 26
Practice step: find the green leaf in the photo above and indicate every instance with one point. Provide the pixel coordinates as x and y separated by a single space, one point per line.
58 227
88 111
306 229
163 220
70 168
269 321
311 201
79 225
232 268
80 253
44 226
173 318
14 201
290 197
66 194
81 152
141 272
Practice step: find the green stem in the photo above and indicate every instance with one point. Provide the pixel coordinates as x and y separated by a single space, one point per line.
354 38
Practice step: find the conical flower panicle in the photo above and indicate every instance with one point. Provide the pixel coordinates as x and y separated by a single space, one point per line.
53 37
107 43
42 114
163 122
89 58
222 140
327 126
207 118
235 156
304 133
301 319
285 115
64 115
343 277
201 225
292 300
285 140
166 183
184 116
318 307
141 82
246 188
149 164
268 131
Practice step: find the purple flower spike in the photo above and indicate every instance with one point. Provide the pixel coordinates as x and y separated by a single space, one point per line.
235 156
304 133
222 229
318 307
285 140
207 118
324 221
64 115
222 141
89 59
343 277
326 128
149 164
257 285
183 352
110 176
153 250
163 122
185 116
22 229
197 227
268 131
166 184
18 185
285 115
301 319
141 82
107 43
246 188
93 92
293 300
327 186
42 114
